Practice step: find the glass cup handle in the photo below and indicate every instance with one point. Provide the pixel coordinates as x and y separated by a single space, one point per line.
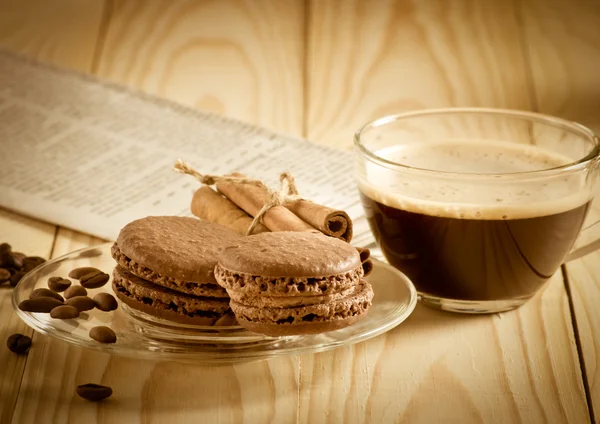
591 236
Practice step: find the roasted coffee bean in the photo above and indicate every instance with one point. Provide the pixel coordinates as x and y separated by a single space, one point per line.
5 247
103 334
4 275
35 259
59 284
64 312
30 262
39 304
82 303
75 291
77 273
106 302
93 280
11 259
45 293
94 392
16 277
7 260
92 253
18 343
19 257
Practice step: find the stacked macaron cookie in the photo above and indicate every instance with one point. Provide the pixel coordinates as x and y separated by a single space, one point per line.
166 269
288 283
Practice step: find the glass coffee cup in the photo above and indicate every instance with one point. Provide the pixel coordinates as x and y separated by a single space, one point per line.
479 207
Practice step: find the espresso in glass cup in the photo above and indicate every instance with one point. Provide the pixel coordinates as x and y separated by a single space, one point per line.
479 207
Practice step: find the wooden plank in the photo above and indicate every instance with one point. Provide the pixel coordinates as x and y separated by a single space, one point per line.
563 43
238 58
368 60
63 32
49 361
519 366
33 238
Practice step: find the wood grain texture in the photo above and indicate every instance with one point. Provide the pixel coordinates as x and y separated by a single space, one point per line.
370 60
367 60
239 58
584 280
562 41
517 367
33 238
62 32
563 44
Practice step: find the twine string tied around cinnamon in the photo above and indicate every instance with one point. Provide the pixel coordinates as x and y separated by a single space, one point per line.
287 192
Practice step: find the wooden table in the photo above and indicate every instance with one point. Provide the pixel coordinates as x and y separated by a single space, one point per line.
319 69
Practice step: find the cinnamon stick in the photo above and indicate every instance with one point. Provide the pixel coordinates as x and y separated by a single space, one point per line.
309 215
251 199
364 253
211 206
333 222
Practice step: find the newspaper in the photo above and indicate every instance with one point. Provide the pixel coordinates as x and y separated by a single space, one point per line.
92 156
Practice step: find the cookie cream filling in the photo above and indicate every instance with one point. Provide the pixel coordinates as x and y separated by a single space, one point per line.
197 289
356 304
180 308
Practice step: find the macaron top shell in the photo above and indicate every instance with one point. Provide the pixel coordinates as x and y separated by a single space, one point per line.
289 254
179 247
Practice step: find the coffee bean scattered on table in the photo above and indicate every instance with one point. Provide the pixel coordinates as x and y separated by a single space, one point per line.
64 312
30 262
16 263
10 259
19 257
4 275
18 343
106 302
103 334
92 253
58 284
16 277
94 392
82 303
77 273
39 304
41 292
74 291
94 279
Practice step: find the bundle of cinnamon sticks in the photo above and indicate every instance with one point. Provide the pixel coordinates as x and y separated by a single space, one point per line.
234 204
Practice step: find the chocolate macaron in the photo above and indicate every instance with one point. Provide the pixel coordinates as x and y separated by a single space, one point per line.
178 253
287 283
169 304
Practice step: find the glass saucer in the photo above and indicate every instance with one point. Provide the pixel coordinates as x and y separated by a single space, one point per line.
141 335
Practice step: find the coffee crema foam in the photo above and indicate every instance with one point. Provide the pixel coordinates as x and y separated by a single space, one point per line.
473 199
